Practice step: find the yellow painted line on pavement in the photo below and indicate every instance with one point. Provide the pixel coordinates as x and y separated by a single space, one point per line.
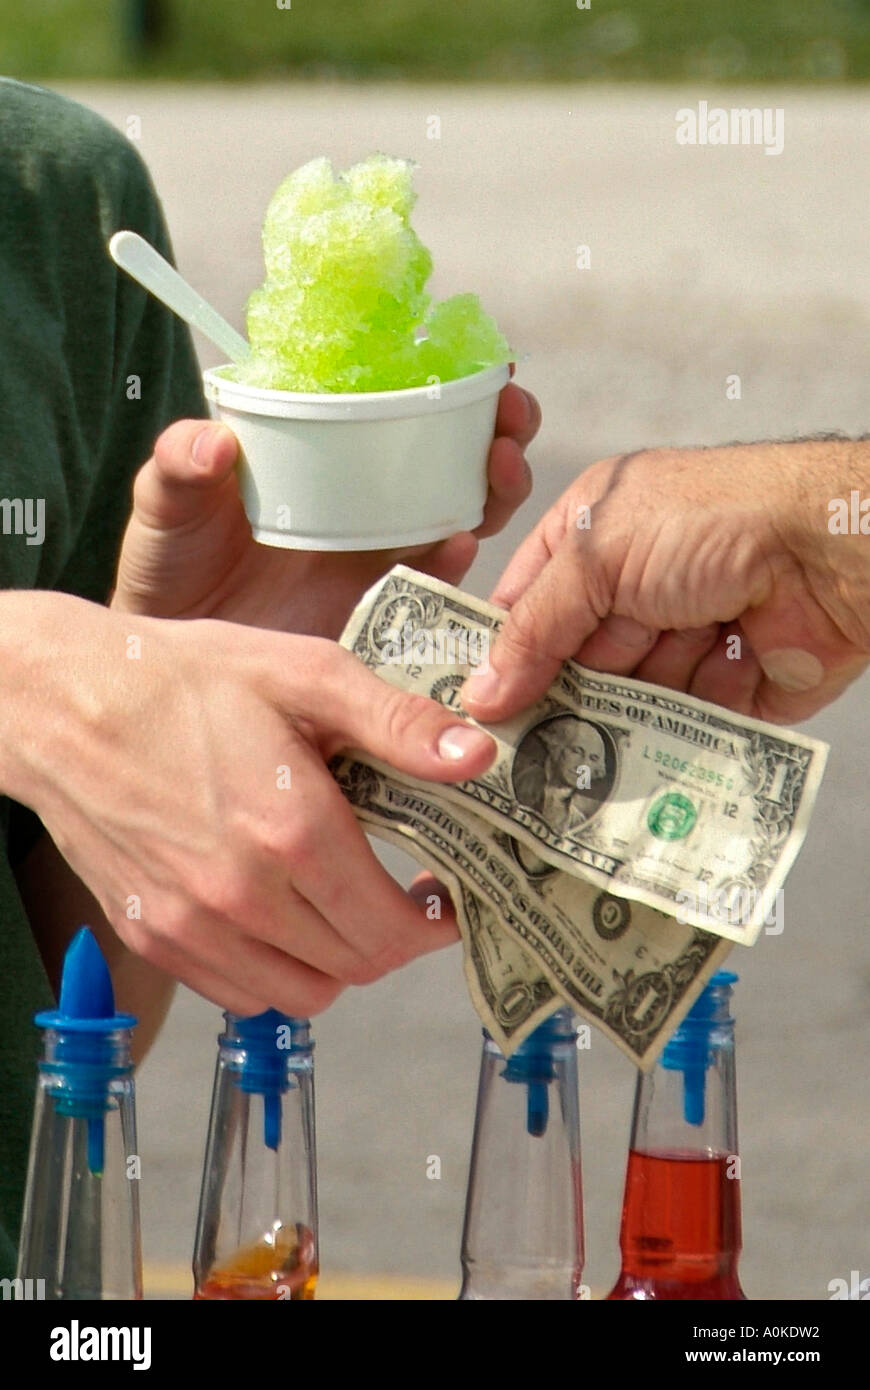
175 1281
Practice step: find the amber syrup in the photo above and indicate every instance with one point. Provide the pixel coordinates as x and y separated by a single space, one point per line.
282 1266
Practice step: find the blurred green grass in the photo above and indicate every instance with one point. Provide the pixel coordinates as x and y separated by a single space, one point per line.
813 41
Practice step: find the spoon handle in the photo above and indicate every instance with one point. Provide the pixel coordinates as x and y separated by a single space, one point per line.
135 255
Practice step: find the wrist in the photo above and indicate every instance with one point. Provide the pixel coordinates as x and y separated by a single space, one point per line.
823 518
40 634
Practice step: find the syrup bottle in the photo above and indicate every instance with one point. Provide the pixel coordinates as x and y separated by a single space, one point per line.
256 1235
523 1233
80 1234
680 1235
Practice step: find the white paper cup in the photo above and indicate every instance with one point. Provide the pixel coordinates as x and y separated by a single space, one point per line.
362 471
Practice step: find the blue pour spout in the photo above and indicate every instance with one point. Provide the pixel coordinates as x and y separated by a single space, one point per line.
533 1065
83 1056
86 986
268 1040
690 1049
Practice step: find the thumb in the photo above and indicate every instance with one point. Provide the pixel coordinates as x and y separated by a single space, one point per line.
547 624
190 468
418 736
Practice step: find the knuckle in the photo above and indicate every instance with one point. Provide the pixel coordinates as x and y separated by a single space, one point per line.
174 441
403 714
271 841
521 635
294 846
361 971
698 635
165 928
324 661
227 892
593 577
390 956
214 888
315 997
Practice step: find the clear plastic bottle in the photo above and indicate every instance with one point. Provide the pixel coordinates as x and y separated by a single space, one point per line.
80 1232
681 1232
523 1233
256 1235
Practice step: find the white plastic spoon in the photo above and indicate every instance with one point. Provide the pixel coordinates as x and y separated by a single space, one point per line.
139 258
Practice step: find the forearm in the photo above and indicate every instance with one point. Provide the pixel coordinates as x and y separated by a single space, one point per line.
57 904
51 645
43 636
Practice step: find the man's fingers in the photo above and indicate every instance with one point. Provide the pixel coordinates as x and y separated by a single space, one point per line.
676 656
523 568
192 461
805 662
729 674
618 645
548 624
780 706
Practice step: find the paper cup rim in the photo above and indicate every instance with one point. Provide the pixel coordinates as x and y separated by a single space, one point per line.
352 405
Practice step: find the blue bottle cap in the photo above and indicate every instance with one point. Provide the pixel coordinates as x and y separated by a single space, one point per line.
689 1049
83 1057
268 1041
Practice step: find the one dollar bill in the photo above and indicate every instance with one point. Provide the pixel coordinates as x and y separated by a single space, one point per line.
645 793
537 941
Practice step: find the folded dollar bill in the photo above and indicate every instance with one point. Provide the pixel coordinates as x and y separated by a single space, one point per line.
535 941
647 793
623 838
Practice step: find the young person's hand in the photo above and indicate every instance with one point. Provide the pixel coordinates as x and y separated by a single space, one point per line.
180 768
188 551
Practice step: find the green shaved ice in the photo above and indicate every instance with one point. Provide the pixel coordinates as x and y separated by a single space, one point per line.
383 182
344 304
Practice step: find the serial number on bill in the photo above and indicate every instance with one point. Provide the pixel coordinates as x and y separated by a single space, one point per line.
687 768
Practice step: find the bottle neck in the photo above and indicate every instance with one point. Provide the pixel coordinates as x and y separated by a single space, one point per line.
80 1236
101 1055
688 1103
523 1233
681 1226
257 1226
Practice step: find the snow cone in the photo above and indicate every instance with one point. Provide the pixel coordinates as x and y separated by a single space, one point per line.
365 412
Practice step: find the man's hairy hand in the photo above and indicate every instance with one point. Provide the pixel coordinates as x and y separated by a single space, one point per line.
651 564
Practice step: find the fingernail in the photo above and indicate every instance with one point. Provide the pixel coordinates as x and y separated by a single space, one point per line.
460 741
203 440
791 668
482 688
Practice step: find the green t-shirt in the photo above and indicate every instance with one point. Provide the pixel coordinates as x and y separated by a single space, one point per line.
91 370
